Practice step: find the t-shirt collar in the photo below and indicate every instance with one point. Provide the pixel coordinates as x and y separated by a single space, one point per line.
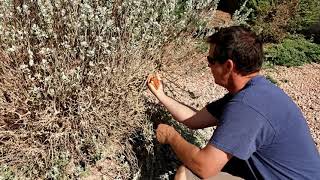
252 81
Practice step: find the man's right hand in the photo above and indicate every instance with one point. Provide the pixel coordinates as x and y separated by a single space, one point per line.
155 85
165 133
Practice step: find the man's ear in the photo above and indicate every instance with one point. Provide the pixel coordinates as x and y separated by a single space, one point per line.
229 66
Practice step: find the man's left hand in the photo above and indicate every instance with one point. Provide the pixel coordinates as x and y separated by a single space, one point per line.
165 133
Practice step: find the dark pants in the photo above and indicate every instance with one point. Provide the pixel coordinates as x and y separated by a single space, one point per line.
240 168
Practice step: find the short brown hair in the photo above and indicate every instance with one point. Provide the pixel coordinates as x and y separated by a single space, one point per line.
239 44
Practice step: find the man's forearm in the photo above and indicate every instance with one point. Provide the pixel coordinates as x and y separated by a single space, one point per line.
179 111
186 152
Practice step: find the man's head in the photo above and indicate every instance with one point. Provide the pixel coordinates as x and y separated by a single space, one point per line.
234 51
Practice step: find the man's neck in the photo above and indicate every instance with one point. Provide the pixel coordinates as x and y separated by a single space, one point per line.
237 82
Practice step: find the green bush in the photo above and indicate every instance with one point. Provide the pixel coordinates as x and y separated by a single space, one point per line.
293 51
271 18
308 13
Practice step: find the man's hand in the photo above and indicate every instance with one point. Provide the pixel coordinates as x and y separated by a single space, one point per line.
155 85
165 133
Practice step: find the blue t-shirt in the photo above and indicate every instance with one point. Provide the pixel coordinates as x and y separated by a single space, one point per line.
263 125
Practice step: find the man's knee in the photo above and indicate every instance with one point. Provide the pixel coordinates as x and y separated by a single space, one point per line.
184 173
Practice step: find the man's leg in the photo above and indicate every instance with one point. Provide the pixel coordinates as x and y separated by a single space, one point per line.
184 173
238 167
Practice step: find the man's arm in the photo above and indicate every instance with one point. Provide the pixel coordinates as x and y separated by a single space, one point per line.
184 114
190 117
204 162
179 111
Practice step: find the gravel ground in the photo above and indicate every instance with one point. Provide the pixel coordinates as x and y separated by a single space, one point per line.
191 82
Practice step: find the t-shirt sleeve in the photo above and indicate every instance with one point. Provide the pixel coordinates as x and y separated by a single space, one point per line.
241 130
216 108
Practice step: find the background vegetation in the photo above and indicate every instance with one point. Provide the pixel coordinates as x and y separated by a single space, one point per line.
290 28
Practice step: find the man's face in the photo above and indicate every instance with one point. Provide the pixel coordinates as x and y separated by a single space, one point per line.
219 71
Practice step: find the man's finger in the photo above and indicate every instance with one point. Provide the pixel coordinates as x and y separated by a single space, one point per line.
149 82
160 125
149 78
160 137
151 87
158 76
153 84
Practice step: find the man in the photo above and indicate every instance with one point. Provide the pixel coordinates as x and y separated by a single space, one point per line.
260 133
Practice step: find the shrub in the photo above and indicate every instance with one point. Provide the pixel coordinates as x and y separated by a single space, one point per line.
293 51
271 18
275 18
314 32
71 79
307 14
